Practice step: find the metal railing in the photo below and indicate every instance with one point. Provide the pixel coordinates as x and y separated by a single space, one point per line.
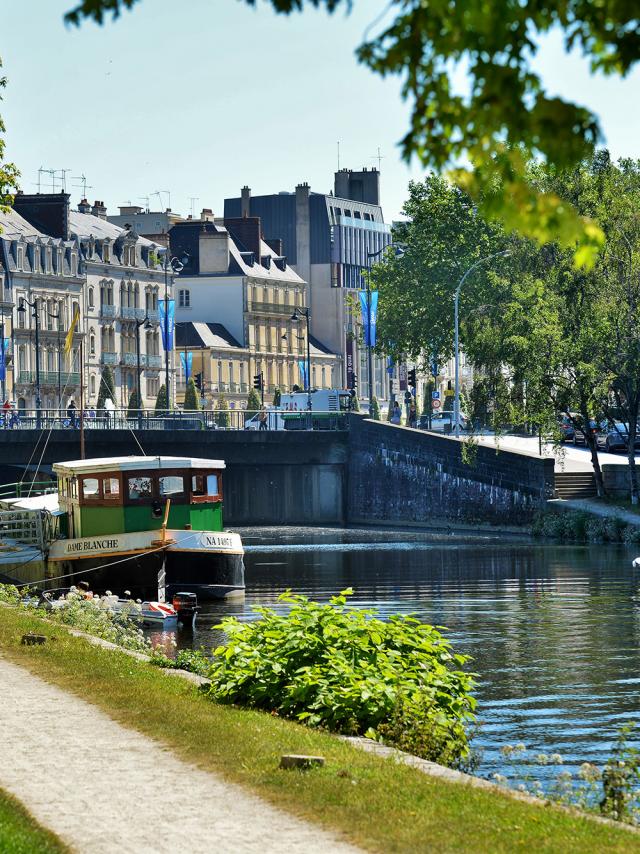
107 311
49 378
271 308
179 419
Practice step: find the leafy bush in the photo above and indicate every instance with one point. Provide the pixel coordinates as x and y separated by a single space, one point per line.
193 660
344 669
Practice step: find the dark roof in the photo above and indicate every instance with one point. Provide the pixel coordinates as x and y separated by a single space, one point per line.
320 346
195 334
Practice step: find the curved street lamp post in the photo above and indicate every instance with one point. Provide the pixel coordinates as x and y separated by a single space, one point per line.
22 310
295 317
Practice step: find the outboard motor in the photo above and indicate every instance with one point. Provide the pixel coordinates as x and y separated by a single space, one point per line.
186 605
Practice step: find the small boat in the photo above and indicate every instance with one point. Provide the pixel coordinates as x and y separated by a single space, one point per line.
137 523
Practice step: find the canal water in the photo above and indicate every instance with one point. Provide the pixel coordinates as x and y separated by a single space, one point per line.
554 631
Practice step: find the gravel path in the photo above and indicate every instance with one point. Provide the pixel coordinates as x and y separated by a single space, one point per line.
104 788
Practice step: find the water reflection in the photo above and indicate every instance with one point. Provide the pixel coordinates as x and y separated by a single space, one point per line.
553 631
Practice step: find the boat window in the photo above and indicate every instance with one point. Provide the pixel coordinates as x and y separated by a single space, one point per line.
171 484
73 492
111 487
212 484
90 487
139 487
198 486
205 486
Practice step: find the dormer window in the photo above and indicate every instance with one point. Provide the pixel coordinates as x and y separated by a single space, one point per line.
59 262
20 257
106 253
47 259
74 264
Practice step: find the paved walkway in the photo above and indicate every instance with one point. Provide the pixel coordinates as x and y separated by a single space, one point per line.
597 508
105 789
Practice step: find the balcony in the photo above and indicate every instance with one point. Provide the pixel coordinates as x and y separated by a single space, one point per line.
109 358
107 311
153 314
129 359
128 312
154 361
49 378
271 308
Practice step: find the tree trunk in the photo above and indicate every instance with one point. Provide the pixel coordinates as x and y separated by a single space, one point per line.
595 462
633 472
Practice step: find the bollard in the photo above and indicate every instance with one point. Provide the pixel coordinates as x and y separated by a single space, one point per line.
292 760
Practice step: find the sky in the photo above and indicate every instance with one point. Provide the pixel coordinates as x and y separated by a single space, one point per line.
199 97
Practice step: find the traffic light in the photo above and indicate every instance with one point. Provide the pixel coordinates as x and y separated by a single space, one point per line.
257 381
408 397
198 381
412 378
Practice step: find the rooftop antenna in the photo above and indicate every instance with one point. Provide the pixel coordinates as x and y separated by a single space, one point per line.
63 176
145 199
42 171
338 155
83 184
157 193
193 200
379 157
168 192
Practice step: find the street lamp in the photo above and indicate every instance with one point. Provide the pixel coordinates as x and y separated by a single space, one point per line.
176 265
456 300
22 310
147 325
399 252
295 317
3 355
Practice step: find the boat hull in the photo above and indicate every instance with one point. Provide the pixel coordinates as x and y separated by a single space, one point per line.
207 563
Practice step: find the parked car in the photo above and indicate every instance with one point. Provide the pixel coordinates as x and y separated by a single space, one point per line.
578 432
614 436
442 422
565 425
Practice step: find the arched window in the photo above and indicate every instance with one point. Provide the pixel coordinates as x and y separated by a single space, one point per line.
90 297
92 344
92 384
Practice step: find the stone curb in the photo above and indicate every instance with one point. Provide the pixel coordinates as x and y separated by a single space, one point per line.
450 775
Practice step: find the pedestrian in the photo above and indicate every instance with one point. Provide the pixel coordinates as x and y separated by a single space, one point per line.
6 409
71 414
263 418
14 419
413 414
396 415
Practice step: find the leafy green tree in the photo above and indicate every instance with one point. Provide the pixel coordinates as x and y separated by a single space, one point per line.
162 404
505 116
223 416
277 394
253 403
375 409
107 390
355 403
191 397
135 404
9 173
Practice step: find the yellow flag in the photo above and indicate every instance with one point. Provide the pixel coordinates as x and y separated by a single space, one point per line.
68 341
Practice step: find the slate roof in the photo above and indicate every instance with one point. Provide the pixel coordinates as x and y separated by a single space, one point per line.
13 226
86 225
196 334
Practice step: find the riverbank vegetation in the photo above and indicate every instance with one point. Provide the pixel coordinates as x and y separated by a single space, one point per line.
375 803
345 670
575 527
20 833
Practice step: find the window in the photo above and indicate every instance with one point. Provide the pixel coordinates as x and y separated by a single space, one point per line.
74 264
204 485
171 484
111 488
93 384
184 298
92 344
106 253
139 487
90 488
90 297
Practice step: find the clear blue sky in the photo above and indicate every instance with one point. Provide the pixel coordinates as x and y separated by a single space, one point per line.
200 97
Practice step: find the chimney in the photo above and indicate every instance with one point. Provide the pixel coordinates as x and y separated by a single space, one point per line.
48 212
247 231
246 201
84 206
99 209
206 215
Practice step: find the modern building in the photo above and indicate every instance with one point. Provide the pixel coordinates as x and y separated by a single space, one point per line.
233 277
154 225
122 280
41 284
329 240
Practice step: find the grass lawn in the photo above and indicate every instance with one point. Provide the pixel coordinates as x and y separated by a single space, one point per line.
373 802
20 833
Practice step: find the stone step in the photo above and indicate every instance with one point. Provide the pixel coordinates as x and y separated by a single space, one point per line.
575 484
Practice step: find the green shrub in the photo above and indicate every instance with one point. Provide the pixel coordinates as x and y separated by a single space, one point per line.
631 534
344 669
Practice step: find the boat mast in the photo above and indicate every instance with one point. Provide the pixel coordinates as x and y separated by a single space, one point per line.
81 401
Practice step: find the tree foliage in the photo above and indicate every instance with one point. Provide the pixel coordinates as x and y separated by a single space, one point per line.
135 404
505 116
9 173
191 397
253 403
375 409
107 390
347 670
223 416
162 403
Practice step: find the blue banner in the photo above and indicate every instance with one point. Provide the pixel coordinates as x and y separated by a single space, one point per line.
166 330
3 357
187 361
369 317
302 365
390 366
